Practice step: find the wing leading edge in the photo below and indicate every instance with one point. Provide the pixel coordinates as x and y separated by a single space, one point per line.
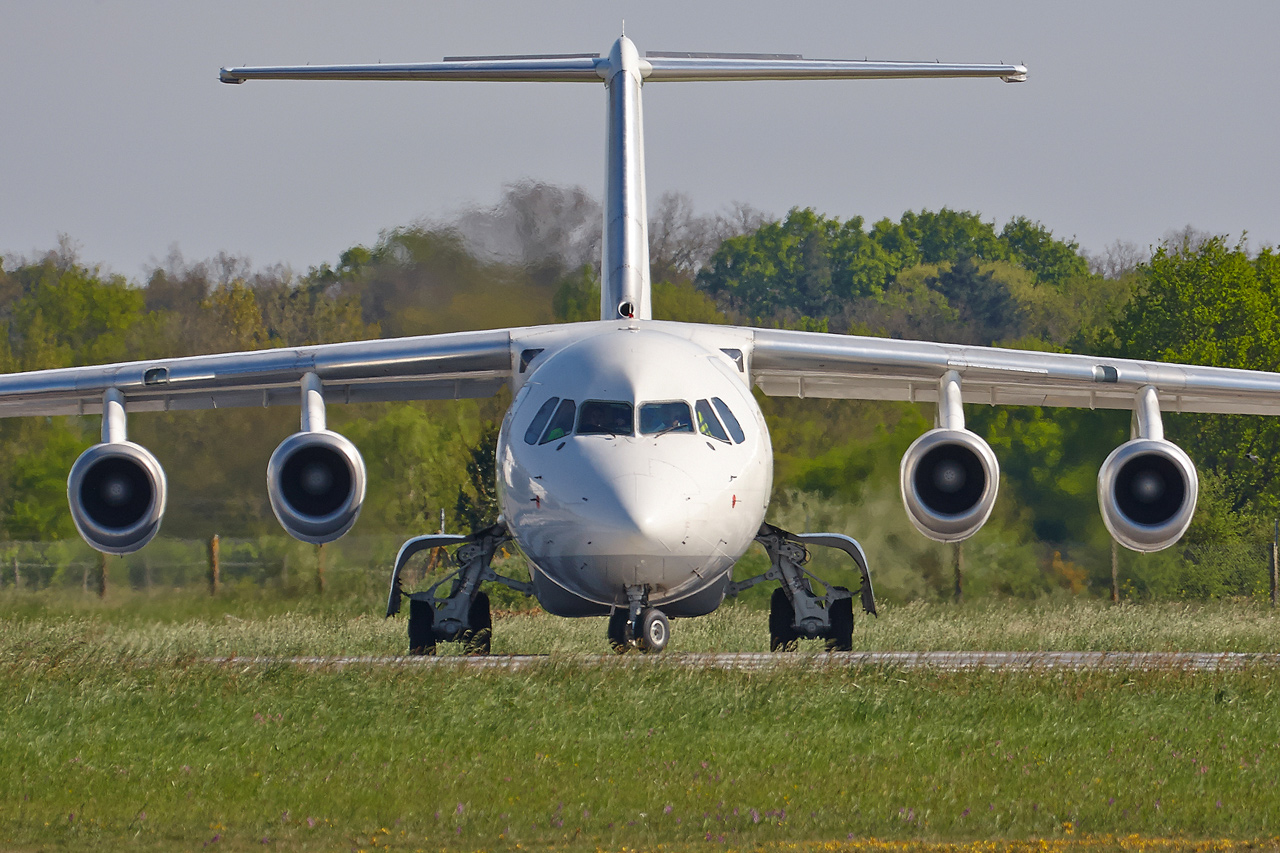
809 364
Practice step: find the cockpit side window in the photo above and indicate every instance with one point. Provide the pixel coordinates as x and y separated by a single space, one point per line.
540 421
708 423
735 428
561 423
606 417
660 418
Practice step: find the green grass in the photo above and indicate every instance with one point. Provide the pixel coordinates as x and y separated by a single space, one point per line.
115 733
250 621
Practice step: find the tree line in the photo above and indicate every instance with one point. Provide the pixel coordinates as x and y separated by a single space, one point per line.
940 275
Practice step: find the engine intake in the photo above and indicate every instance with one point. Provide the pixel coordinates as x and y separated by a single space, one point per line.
1147 492
316 482
949 479
117 492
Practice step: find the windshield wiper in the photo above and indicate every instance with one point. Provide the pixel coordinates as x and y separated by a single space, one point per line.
672 428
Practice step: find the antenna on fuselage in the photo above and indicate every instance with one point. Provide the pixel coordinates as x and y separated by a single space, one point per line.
624 269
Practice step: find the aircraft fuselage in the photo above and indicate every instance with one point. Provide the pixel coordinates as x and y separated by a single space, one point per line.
633 458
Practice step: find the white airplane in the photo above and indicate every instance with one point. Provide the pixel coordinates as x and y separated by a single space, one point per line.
634 465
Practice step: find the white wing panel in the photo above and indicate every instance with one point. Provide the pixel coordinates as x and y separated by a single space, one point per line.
808 364
463 364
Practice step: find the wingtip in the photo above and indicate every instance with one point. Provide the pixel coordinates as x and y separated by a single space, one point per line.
1019 75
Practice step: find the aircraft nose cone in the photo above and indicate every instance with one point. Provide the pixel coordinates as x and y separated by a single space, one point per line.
653 510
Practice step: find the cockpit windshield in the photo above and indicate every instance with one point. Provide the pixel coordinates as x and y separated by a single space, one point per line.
735 428
606 417
708 423
660 418
561 424
539 421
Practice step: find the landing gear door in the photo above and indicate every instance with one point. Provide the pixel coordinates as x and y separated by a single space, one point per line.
851 547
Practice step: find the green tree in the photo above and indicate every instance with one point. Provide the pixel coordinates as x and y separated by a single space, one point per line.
36 504
1033 246
684 302
807 264
987 310
477 505
949 235
577 297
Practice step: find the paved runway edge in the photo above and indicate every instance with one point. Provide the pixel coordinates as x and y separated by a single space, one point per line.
942 661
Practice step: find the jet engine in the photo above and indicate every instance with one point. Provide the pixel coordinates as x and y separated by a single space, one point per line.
949 479
1147 488
316 477
949 475
1147 491
116 489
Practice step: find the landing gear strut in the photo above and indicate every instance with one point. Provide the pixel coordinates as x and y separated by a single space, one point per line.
463 615
638 625
795 610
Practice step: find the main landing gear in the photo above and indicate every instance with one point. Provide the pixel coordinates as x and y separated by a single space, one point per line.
463 615
638 625
795 610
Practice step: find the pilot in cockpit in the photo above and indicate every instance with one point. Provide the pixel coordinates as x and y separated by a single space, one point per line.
605 418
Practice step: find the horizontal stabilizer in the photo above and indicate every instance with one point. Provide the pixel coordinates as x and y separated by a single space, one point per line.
656 66
728 66
565 69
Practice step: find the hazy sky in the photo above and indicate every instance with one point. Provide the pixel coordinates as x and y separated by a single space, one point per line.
1138 118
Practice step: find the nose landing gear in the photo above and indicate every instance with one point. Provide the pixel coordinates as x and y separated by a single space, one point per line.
638 625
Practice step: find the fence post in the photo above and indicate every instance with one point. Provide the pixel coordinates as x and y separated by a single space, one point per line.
1275 562
215 565
17 573
320 569
102 575
1115 573
958 564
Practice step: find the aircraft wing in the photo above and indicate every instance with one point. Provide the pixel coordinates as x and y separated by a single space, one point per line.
448 366
808 364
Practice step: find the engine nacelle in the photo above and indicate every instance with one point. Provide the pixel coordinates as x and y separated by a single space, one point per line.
1147 491
949 479
316 481
117 492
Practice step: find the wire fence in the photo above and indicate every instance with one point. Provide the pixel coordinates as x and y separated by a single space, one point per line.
354 565
181 563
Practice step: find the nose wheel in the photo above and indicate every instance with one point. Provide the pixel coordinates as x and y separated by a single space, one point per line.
649 633
655 630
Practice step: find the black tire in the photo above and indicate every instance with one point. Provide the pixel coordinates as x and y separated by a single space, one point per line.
618 641
782 636
655 631
479 639
841 637
422 639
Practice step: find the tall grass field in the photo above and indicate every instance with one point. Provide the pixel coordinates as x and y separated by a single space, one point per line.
118 732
